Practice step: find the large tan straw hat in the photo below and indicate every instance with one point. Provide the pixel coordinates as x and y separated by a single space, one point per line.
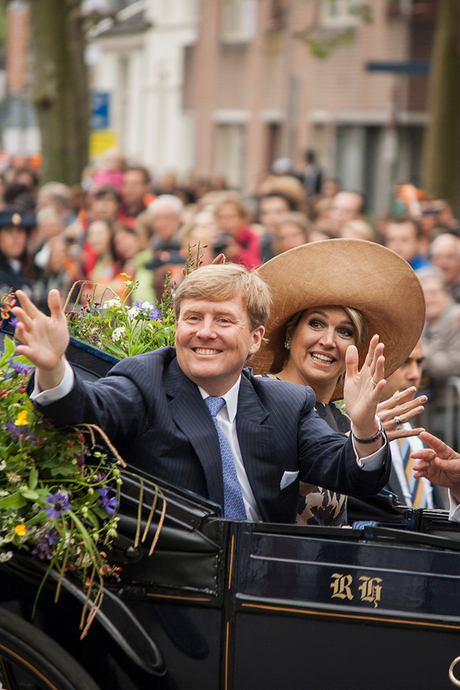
347 273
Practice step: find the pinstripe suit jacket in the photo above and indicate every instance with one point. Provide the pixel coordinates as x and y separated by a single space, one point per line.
159 422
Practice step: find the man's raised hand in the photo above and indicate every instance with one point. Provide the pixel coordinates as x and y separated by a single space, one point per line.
44 338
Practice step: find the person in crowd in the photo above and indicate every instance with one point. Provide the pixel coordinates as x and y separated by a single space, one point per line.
440 465
100 241
404 236
358 230
111 170
410 491
127 246
290 232
60 272
273 206
330 188
236 239
317 316
16 265
346 206
440 342
29 178
135 192
445 255
312 176
105 204
166 213
57 195
18 194
144 257
191 415
49 225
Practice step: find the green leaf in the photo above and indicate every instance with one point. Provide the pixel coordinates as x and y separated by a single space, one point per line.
30 495
63 470
33 478
13 502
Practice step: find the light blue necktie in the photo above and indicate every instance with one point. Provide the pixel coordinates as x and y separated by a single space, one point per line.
416 488
233 498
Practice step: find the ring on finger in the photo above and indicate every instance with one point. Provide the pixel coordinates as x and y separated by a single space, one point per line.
397 420
373 382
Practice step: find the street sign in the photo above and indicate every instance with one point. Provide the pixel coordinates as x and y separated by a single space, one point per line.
415 67
100 110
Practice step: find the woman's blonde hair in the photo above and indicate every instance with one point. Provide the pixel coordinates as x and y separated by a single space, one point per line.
219 282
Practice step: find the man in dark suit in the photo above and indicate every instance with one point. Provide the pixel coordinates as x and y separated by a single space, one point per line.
406 380
154 407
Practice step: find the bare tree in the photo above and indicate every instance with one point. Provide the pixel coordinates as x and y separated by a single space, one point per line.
441 156
61 94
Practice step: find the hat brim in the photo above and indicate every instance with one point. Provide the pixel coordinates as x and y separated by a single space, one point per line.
346 273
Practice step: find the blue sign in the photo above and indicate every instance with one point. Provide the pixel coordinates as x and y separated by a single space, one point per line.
417 67
100 110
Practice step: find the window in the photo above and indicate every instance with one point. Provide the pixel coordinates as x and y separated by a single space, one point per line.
238 19
340 13
230 153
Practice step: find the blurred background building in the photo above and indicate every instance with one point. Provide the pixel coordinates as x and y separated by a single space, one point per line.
203 87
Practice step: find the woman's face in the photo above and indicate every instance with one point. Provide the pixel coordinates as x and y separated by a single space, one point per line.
13 241
289 236
319 345
99 236
127 244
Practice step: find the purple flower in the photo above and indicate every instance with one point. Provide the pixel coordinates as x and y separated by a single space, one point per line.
42 549
21 432
152 313
19 368
14 321
110 504
59 503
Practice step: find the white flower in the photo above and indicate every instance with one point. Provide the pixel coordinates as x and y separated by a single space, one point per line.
133 312
5 556
113 303
147 305
118 333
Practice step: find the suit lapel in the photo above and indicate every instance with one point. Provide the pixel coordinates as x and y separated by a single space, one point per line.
191 415
257 447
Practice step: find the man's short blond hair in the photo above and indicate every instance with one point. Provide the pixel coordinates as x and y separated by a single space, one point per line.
219 282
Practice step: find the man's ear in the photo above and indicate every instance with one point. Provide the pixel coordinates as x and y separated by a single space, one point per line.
257 336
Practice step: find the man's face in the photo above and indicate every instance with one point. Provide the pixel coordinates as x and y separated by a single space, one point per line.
134 187
213 341
408 374
445 255
272 209
402 239
165 222
436 298
346 206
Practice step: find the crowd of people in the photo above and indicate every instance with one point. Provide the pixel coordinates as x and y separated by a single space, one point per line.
121 222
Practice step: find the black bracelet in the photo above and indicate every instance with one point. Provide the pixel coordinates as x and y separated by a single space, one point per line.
374 438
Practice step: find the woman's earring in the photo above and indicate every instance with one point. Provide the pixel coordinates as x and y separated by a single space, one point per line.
288 343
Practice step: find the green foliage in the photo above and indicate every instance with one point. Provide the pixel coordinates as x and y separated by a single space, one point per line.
58 499
122 329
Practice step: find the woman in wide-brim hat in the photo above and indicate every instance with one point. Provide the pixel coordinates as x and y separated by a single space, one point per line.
327 296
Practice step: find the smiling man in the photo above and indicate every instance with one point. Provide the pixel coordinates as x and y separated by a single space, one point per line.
192 415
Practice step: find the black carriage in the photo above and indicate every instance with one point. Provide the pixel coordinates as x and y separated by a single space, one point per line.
243 606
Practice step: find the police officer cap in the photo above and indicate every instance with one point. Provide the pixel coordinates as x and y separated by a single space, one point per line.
16 216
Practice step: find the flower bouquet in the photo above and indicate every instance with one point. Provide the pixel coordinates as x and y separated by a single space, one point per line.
58 496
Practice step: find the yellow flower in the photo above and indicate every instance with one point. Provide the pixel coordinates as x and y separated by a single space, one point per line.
21 419
20 529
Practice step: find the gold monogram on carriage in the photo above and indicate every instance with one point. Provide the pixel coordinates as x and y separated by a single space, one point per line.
344 587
